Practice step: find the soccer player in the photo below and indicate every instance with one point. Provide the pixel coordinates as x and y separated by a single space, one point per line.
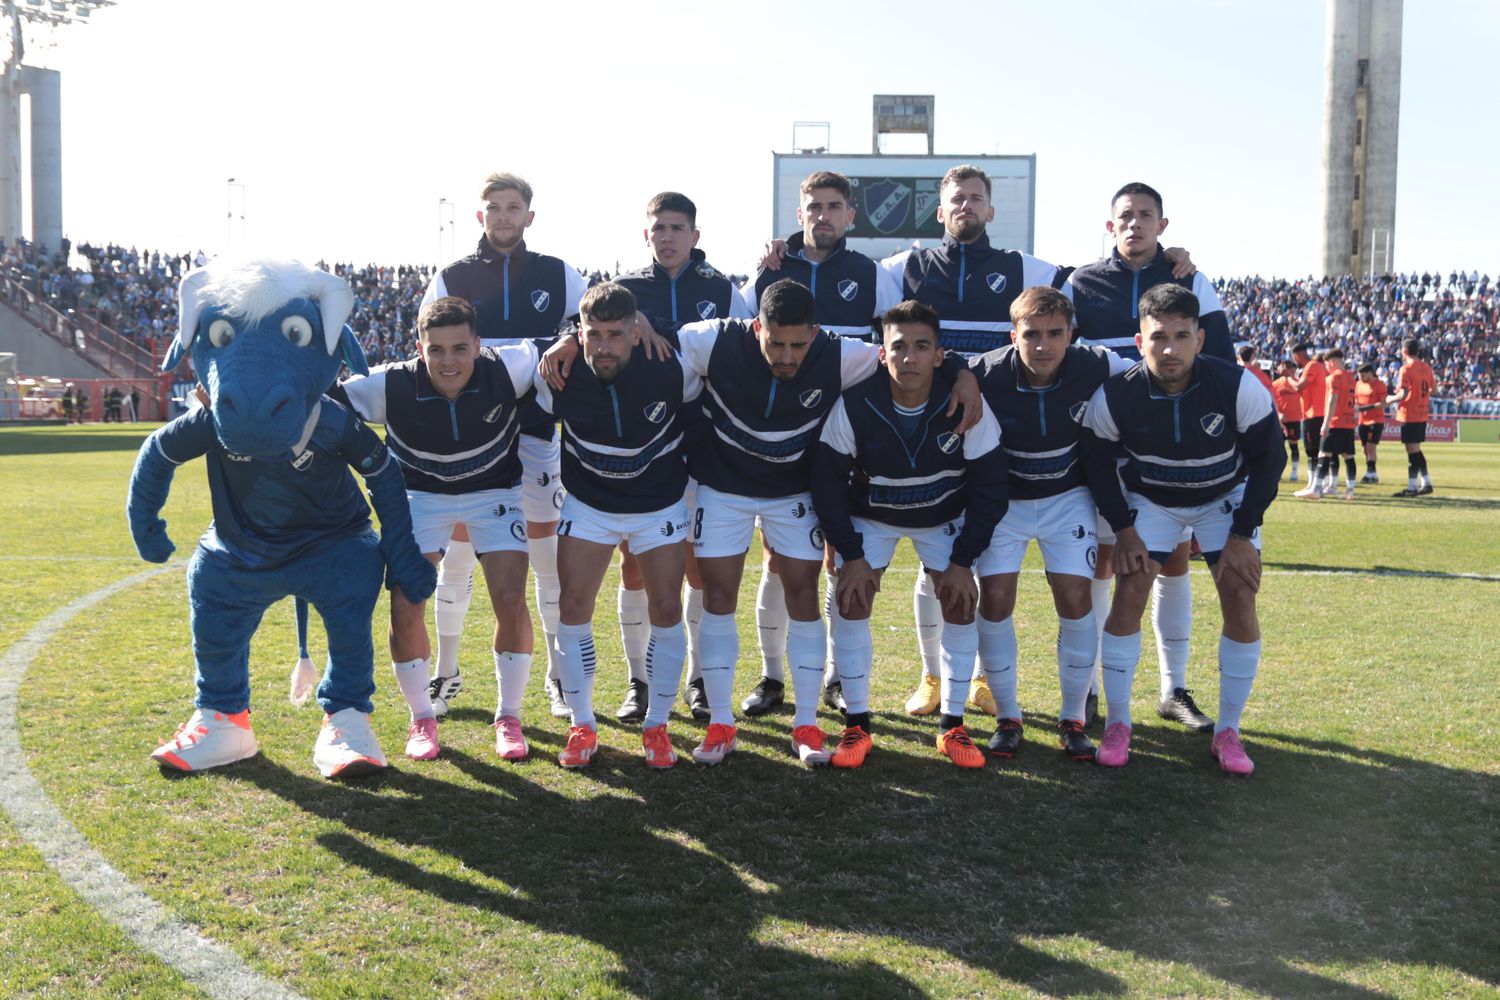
913 476
1246 355
678 287
517 294
1311 378
851 295
1038 388
1369 398
1106 295
622 415
1198 447
1338 431
1414 385
451 416
1289 409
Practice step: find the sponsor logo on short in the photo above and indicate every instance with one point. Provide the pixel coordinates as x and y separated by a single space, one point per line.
539 299
810 398
848 288
656 412
996 281
707 310
1077 410
494 414
950 529
1227 507
669 529
1079 531
544 479
302 461
799 509
1213 424
948 442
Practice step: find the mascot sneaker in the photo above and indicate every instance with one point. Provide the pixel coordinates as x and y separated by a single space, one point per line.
208 739
346 746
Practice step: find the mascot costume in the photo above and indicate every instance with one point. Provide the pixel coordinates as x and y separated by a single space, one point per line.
266 338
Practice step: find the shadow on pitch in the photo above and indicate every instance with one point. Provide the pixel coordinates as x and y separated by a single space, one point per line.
36 441
1380 570
689 875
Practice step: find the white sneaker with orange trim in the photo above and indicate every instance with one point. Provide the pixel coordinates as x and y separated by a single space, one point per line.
208 739
347 747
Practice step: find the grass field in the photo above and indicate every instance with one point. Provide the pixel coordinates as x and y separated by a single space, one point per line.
1359 861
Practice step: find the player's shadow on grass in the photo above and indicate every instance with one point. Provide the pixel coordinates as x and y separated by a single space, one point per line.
1381 570
49 442
702 880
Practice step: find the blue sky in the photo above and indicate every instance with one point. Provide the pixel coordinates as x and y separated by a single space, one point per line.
347 122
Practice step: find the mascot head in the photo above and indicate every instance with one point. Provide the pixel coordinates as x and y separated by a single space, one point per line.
267 338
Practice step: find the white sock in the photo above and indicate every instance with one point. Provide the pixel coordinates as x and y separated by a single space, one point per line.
633 630
806 650
929 616
959 645
450 603
411 676
1172 620
543 555
575 667
719 643
1411 482
1076 643
692 614
1099 594
770 622
512 672
997 656
664 655
1237 664
832 616
1120 653
855 653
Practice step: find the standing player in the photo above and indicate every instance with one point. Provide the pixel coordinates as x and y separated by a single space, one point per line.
678 287
1038 388
850 295
1246 355
1338 431
1311 381
1106 295
1414 385
1289 408
1369 398
517 295
451 416
915 477
622 416
1198 448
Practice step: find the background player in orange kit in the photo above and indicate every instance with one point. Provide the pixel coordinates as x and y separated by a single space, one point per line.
1338 432
1414 385
1369 399
1289 410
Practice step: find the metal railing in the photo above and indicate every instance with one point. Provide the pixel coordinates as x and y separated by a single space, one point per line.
103 347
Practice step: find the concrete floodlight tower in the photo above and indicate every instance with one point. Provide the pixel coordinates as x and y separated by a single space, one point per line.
1361 111
44 86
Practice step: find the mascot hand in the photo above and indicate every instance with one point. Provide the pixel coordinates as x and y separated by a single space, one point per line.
151 540
413 573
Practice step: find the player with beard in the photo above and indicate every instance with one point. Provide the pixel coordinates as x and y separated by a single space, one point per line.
1369 397
517 295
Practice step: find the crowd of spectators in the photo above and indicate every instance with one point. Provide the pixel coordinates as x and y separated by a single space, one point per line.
1456 316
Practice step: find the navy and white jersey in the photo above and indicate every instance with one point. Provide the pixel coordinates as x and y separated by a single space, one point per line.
1107 295
622 440
268 511
1039 428
761 430
698 292
1188 449
908 470
516 296
457 445
971 285
850 292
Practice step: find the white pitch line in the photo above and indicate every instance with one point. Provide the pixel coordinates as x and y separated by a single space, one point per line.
217 970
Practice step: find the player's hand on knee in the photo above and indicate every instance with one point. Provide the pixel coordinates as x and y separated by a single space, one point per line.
957 591
857 586
1130 554
1240 558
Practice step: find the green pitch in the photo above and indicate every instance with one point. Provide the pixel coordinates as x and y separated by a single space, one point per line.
1359 861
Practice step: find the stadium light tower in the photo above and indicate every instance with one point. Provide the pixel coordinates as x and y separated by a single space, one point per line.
45 89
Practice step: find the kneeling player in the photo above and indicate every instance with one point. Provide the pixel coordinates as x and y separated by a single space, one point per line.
1198 447
622 415
916 477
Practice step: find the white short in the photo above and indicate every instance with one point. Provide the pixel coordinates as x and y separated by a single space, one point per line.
724 522
1063 527
541 486
1107 534
1161 528
934 545
643 532
493 518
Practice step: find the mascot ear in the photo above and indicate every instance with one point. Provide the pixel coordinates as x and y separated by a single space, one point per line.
335 301
189 308
354 355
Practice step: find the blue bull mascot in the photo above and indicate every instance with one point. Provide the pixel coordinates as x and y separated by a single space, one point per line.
267 337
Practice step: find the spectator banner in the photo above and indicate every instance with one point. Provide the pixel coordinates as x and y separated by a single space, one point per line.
1438 429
